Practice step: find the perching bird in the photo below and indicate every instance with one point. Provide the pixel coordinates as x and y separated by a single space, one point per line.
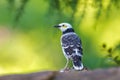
71 46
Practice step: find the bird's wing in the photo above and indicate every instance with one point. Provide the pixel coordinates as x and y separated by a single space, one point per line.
72 44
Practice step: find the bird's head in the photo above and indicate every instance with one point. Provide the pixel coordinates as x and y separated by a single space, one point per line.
63 26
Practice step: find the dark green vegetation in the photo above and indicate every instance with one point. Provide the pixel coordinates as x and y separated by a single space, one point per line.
28 41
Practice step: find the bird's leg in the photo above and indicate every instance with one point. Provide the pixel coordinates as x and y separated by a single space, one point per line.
66 65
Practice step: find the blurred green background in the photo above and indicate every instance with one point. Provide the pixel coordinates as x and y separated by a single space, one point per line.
30 43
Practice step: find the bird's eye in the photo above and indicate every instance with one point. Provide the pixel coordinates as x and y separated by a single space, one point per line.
64 25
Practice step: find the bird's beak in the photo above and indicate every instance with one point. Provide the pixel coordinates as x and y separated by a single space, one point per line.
57 26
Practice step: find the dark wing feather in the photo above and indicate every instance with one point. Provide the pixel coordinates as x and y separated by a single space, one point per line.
71 42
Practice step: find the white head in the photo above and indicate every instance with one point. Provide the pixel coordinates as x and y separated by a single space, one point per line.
63 26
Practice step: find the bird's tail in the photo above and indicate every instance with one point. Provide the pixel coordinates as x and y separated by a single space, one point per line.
77 63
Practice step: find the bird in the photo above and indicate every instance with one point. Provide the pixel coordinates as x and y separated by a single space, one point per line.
71 46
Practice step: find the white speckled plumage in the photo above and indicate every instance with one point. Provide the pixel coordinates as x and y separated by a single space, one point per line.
71 46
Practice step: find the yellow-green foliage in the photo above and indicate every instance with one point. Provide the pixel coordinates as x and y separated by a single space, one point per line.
29 42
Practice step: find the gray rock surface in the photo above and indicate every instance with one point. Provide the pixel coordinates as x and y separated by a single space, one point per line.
99 74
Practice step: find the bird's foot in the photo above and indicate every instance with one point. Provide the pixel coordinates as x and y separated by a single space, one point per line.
65 69
73 69
85 69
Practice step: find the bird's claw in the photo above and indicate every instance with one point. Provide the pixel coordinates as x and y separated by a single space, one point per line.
65 69
72 69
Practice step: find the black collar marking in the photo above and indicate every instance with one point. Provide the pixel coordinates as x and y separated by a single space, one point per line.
68 30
